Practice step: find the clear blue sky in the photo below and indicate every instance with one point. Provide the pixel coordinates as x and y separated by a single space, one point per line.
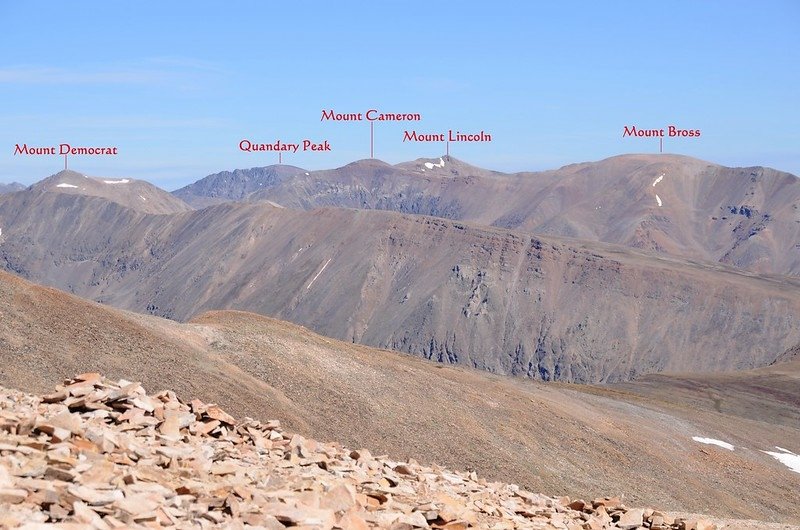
176 86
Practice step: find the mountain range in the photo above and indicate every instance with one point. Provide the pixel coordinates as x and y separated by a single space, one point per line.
11 188
503 300
745 217
665 285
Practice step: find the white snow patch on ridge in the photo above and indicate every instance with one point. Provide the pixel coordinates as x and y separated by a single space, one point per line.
658 199
431 165
120 181
65 185
786 457
659 179
712 441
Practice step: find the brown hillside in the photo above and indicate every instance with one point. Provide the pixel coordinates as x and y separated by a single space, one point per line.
745 217
504 301
131 193
564 439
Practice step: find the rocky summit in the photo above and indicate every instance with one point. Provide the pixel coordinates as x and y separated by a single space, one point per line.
103 454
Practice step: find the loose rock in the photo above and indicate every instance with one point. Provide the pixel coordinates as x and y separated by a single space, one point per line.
102 454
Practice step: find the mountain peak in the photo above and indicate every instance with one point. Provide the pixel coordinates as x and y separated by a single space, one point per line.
67 173
235 185
130 193
68 179
446 165
367 162
11 187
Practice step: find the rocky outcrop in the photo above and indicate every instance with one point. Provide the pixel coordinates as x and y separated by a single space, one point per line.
234 185
105 454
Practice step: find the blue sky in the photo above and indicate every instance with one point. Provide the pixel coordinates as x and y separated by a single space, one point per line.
175 86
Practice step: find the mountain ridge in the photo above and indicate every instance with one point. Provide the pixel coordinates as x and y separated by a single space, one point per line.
673 204
233 185
451 291
11 187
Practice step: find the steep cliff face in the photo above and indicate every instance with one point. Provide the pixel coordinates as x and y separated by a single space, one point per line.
504 301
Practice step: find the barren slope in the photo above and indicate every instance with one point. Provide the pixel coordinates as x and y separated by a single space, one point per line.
194 464
563 439
234 185
135 194
47 333
490 298
746 217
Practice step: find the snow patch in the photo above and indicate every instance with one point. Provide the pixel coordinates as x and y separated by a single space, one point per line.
306 172
275 204
712 441
120 181
786 457
659 179
317 276
142 198
658 199
431 165
65 185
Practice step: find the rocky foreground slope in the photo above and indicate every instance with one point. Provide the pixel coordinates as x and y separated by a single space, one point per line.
635 440
106 455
